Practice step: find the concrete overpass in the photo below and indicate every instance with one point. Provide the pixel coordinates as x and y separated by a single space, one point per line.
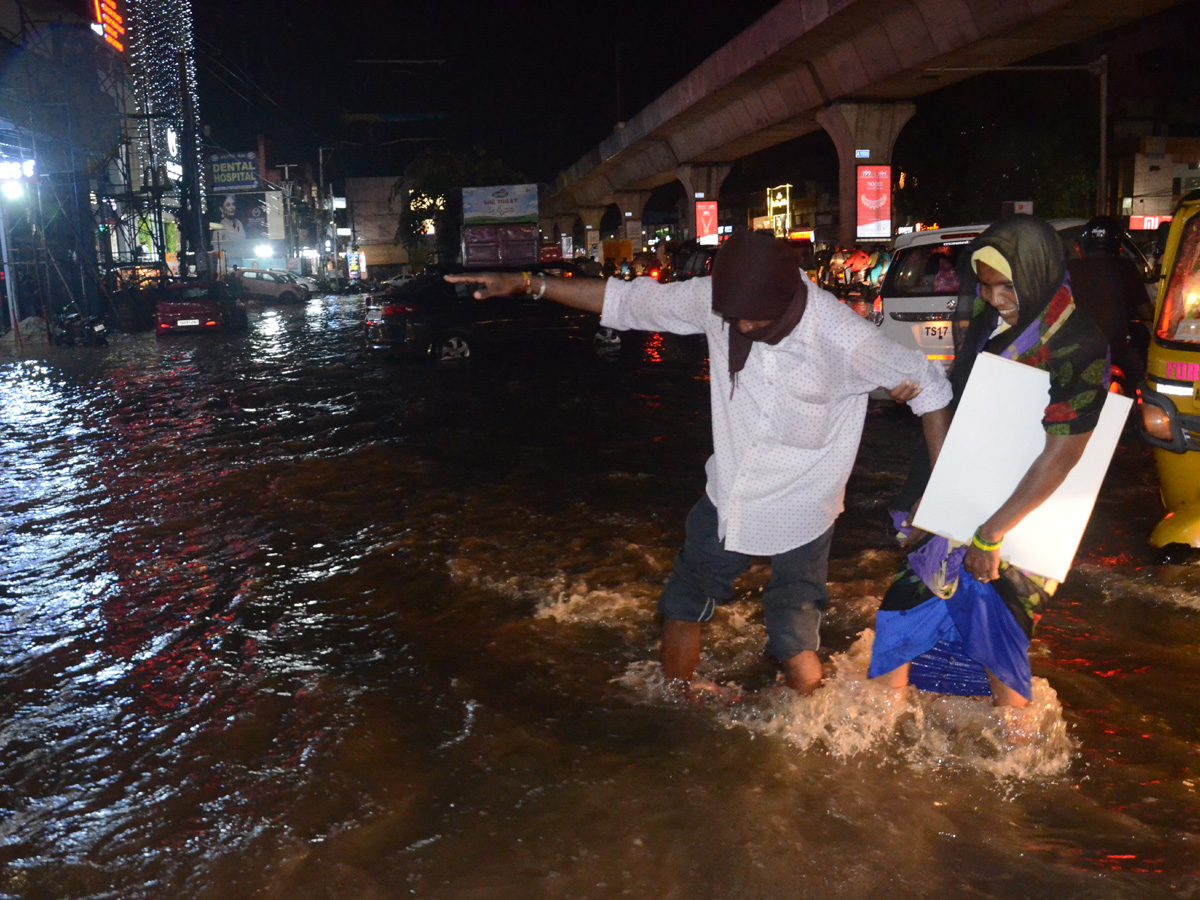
851 67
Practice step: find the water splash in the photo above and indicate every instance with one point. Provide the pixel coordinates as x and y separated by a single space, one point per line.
1168 585
849 716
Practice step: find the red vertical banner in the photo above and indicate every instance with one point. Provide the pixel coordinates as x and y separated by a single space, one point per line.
874 202
706 218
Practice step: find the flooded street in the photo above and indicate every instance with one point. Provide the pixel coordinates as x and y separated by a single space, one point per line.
286 618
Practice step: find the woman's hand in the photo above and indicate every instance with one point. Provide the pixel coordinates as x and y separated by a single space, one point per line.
984 565
492 284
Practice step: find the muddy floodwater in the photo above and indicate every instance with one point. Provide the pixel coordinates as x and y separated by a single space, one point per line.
283 617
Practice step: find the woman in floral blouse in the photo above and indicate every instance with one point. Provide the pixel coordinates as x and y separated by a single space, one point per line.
958 619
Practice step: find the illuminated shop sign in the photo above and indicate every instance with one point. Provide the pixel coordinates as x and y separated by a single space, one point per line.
874 202
234 171
14 170
1147 223
706 219
110 23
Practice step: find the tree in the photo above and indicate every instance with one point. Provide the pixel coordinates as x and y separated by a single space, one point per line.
431 193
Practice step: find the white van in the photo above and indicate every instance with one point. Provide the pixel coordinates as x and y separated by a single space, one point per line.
920 290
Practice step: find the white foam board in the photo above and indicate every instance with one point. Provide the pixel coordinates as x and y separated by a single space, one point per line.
995 436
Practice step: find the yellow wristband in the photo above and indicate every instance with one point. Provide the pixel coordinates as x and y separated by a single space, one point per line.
528 280
978 542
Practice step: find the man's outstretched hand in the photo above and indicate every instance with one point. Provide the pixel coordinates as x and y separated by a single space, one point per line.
492 284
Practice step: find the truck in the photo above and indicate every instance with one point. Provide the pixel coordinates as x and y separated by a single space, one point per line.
615 250
500 226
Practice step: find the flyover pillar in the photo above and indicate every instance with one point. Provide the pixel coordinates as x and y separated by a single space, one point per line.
632 204
701 183
591 216
565 225
857 129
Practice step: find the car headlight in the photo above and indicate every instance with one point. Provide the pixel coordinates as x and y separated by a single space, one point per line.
1156 422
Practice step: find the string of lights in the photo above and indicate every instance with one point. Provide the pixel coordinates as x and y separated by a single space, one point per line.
161 46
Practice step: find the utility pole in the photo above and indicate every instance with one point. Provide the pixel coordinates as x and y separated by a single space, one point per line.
194 225
326 206
288 230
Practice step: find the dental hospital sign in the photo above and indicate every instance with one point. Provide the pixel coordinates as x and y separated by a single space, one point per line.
234 172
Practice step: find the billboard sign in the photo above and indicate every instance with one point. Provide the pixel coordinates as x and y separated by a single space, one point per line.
1147 223
234 171
240 217
706 220
874 202
110 23
504 204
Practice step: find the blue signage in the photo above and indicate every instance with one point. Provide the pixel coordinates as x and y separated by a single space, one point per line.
234 172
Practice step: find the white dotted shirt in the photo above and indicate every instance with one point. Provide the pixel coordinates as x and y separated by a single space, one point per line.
785 441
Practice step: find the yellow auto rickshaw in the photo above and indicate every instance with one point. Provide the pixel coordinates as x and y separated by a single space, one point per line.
1169 398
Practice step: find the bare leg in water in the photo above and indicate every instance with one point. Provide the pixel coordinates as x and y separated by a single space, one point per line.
680 653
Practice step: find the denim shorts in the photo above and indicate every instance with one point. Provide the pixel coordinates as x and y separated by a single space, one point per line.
705 571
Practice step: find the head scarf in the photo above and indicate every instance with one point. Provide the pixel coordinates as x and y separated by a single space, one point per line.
1033 252
1025 249
1029 251
755 277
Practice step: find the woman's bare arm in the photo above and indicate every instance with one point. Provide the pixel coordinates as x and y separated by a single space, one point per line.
1046 473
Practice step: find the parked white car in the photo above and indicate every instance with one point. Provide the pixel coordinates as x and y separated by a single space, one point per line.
920 290
307 280
260 284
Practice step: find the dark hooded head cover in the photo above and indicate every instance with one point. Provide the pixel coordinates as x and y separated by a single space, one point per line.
756 277
1034 252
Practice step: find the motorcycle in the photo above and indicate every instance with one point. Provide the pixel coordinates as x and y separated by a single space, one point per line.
75 330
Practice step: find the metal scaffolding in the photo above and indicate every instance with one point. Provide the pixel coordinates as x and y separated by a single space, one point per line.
109 201
56 124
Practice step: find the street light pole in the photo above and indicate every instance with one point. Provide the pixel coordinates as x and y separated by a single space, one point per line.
287 206
326 204
10 287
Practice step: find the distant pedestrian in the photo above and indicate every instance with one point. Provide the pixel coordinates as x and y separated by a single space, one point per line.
1111 289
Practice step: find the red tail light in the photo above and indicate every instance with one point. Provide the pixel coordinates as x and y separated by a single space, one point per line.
654 273
399 309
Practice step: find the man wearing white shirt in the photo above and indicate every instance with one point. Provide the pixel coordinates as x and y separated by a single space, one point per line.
787 414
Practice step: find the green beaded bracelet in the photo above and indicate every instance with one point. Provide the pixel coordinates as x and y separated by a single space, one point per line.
979 543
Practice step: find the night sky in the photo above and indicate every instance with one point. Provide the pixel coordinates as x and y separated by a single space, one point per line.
538 85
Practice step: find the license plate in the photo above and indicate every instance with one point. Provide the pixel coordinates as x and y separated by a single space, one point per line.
932 333
183 323
97 328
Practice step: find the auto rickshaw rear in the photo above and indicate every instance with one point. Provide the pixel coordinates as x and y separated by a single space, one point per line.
1169 398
